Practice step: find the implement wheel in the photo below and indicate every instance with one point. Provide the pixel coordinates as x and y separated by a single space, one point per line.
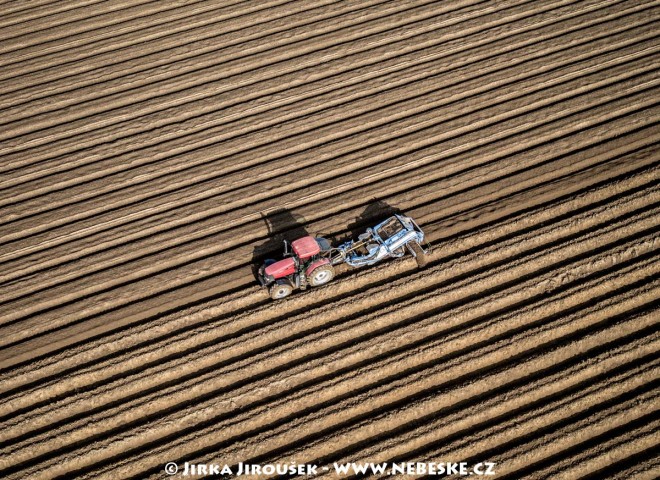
419 254
321 275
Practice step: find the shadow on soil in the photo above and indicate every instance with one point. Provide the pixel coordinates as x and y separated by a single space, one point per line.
283 224
373 214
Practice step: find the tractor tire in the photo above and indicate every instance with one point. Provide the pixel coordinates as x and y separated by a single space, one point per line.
420 256
280 289
321 275
324 244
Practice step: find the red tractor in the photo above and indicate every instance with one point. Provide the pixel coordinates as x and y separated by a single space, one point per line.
303 264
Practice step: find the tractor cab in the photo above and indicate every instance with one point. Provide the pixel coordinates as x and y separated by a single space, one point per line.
301 251
301 266
305 247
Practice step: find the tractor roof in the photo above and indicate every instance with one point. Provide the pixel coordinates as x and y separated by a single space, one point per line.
305 247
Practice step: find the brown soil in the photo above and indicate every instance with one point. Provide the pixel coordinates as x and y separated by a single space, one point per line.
152 152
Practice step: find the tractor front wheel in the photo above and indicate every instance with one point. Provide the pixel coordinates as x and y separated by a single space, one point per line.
321 275
280 289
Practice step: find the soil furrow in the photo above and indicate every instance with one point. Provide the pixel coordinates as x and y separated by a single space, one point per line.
300 431
580 431
183 89
155 153
614 198
337 336
637 463
645 467
298 21
510 204
546 393
593 460
23 305
41 70
445 130
51 15
17 12
540 155
424 279
561 440
391 57
94 28
292 422
331 119
58 256
187 258
176 88
88 46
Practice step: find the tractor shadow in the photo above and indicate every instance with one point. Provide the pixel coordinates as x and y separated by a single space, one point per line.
282 225
373 214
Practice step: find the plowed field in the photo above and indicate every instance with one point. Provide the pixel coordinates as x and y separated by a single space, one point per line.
152 152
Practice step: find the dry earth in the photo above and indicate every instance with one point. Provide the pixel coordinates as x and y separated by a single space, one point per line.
151 152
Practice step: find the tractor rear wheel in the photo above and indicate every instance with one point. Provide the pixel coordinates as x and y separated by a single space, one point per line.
280 289
420 256
321 275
